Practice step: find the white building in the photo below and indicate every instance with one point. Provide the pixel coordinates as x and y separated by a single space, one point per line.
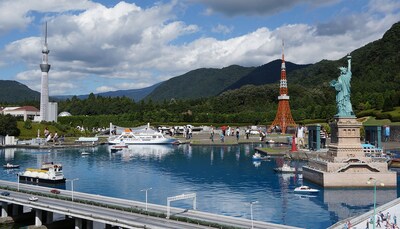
25 112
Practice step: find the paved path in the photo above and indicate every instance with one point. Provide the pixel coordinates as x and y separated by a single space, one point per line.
360 222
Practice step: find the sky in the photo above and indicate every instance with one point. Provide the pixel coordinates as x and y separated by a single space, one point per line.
107 45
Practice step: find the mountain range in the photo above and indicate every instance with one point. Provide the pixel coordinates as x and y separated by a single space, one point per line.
376 62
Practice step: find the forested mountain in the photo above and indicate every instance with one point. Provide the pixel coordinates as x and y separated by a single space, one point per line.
135 94
265 74
375 86
14 92
199 83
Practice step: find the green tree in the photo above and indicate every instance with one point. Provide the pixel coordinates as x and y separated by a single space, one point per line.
8 125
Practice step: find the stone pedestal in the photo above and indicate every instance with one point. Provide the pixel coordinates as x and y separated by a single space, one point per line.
345 163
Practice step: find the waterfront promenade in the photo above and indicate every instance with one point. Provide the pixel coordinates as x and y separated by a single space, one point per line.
363 221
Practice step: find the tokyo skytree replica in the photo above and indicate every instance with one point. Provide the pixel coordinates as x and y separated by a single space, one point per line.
44 90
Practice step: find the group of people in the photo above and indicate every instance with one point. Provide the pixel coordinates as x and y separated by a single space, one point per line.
385 219
225 132
301 131
52 138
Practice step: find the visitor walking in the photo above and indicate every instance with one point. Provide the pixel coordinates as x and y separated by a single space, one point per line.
237 133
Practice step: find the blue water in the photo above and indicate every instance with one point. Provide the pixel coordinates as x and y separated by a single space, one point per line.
224 178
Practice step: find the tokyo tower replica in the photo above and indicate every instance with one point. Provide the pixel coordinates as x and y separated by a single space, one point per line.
283 117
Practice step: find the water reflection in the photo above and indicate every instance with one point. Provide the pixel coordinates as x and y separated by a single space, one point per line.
351 202
144 151
224 178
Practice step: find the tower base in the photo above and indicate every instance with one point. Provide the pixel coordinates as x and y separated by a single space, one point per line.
345 164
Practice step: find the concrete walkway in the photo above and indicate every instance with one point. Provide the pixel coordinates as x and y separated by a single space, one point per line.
360 222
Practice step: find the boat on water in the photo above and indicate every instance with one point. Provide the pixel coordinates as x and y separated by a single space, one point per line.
49 173
305 189
84 153
285 169
394 163
10 166
118 147
258 157
141 136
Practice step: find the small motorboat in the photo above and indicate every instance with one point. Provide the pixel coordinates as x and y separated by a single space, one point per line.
394 163
285 169
84 153
305 189
258 157
118 147
10 166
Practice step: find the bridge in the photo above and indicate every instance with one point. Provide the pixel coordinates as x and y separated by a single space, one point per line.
84 209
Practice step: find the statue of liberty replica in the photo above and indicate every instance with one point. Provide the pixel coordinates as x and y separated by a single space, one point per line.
343 89
345 164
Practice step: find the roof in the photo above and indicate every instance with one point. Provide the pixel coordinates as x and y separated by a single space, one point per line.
28 108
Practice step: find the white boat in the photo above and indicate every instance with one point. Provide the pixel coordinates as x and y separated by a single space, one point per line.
141 136
285 169
305 189
258 157
84 153
118 147
48 173
10 166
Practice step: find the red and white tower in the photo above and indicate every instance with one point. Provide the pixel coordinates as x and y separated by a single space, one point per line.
283 117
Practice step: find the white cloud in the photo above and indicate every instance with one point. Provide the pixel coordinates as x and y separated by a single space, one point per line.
18 13
222 29
105 89
127 47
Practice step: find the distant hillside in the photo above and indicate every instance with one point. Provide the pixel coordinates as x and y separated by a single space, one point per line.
135 94
375 84
265 74
14 92
375 67
199 83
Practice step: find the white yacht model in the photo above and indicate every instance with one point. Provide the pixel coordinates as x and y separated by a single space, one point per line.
285 169
141 136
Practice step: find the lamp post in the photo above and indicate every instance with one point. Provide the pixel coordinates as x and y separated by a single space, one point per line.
145 190
18 182
371 179
72 187
251 212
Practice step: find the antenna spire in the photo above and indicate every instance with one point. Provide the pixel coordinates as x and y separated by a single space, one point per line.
283 50
45 34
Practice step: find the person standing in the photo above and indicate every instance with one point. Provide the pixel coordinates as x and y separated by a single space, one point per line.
237 133
323 136
212 134
300 136
222 137
387 133
247 133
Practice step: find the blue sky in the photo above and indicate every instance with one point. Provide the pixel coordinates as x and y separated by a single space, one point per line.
98 46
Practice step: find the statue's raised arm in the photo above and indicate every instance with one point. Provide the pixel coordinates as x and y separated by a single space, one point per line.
348 62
